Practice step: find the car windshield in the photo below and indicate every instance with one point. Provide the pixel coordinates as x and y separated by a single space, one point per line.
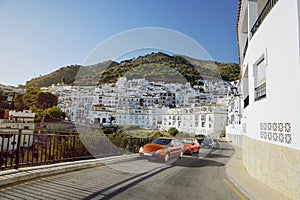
161 141
187 141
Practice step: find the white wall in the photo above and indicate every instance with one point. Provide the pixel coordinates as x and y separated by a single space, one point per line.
278 39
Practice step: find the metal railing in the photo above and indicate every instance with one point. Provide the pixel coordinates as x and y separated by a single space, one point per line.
260 92
246 101
19 148
268 7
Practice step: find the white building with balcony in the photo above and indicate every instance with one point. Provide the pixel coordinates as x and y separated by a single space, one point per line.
269 51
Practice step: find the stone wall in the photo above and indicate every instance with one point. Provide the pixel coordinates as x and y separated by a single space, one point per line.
274 165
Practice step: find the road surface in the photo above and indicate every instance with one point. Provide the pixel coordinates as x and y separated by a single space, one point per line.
191 177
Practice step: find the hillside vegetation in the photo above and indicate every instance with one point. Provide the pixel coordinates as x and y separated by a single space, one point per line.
154 67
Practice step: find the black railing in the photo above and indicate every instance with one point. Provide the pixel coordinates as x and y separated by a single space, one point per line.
245 49
20 148
246 101
268 7
260 92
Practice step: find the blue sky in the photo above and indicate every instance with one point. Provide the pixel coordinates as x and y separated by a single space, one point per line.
39 36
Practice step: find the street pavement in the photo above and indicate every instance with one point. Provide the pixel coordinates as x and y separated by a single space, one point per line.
212 174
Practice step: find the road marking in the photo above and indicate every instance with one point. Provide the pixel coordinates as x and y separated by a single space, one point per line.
235 190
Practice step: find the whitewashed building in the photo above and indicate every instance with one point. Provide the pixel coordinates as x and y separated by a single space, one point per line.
148 118
206 120
16 121
269 50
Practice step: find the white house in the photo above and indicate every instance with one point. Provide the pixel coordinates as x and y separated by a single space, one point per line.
206 120
148 118
269 51
16 121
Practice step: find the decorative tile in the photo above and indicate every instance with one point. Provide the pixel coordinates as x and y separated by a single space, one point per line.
262 134
280 127
269 135
269 126
288 138
275 136
261 125
275 126
265 135
276 131
281 137
287 127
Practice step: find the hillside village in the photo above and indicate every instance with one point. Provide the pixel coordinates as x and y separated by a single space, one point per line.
156 91
149 105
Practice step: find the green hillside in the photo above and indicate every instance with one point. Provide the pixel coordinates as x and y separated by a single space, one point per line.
154 67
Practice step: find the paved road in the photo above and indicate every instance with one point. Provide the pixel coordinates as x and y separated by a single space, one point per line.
199 177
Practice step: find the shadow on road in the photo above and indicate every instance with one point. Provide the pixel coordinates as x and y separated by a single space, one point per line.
216 156
194 162
129 183
225 149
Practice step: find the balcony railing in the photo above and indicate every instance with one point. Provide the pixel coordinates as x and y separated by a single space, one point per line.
260 92
245 49
246 101
18 148
268 7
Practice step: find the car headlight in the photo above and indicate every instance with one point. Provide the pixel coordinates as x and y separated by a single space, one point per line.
141 149
158 151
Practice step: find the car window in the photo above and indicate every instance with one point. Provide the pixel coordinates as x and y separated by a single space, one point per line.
187 141
161 141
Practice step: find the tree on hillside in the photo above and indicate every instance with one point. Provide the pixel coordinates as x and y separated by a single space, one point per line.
18 102
34 97
46 100
30 98
53 113
39 113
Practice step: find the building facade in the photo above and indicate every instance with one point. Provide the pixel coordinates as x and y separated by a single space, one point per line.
204 120
269 51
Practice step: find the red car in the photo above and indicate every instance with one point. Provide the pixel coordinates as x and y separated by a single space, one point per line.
162 148
191 145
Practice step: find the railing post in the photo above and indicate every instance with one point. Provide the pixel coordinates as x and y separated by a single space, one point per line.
74 147
18 149
131 145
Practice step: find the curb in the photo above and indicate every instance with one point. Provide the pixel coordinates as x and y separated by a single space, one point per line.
13 177
237 185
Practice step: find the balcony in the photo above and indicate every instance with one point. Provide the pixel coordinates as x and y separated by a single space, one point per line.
246 101
268 7
260 92
245 49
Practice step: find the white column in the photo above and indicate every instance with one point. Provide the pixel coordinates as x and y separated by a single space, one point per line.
252 15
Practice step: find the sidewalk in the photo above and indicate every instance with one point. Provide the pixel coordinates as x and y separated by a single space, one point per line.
15 176
249 186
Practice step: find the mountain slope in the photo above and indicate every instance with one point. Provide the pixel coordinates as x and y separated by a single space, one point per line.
155 66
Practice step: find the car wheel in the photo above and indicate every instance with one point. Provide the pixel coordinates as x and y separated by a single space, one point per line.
167 157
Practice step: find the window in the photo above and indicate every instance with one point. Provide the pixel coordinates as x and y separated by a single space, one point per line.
260 79
202 117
